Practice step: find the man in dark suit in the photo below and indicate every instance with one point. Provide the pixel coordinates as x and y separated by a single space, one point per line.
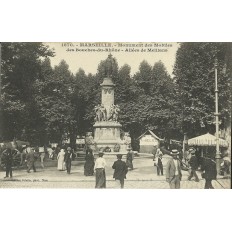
9 162
30 159
193 162
209 171
120 171
68 159
173 171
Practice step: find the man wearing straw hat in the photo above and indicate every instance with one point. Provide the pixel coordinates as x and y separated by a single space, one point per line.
173 171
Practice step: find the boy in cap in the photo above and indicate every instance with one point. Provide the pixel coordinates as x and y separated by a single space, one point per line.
120 171
173 171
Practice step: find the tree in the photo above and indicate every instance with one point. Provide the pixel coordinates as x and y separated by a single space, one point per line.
194 76
143 76
17 87
156 102
53 99
84 100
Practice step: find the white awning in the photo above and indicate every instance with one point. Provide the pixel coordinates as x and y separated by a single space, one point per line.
207 140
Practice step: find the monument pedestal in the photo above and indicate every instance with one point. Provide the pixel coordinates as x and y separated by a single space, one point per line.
107 134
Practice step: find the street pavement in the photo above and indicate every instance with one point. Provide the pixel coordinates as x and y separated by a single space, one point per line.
143 176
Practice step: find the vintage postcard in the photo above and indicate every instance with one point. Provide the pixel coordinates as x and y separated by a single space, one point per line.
132 115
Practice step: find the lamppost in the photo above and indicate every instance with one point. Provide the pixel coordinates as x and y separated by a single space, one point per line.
184 143
1 123
218 156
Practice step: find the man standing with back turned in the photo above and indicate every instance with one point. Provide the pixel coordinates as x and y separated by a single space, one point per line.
120 171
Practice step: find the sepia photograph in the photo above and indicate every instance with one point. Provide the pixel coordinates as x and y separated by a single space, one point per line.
115 115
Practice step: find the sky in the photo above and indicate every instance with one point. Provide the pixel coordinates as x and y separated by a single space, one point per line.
80 55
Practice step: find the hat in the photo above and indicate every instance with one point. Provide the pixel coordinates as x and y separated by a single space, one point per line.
100 153
174 152
192 150
69 149
119 156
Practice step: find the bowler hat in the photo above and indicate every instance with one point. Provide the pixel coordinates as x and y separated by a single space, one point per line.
174 152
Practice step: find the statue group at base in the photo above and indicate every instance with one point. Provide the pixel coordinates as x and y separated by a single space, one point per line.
114 111
102 115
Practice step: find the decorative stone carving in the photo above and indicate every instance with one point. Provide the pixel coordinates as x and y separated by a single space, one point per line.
114 111
101 113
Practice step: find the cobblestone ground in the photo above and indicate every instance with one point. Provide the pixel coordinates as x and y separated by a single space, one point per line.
142 177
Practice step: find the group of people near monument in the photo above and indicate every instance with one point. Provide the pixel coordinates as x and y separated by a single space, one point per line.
120 170
65 156
98 167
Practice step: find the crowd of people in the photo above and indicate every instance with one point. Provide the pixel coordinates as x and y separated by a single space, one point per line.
64 156
173 168
191 163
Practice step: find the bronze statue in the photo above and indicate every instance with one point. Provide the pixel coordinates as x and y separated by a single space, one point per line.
109 65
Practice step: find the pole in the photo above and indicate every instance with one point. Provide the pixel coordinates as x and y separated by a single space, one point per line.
184 143
1 119
218 156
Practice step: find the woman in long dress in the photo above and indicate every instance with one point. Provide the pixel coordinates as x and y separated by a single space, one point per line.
60 158
99 167
89 163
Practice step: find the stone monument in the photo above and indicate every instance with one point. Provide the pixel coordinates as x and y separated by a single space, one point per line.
106 127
